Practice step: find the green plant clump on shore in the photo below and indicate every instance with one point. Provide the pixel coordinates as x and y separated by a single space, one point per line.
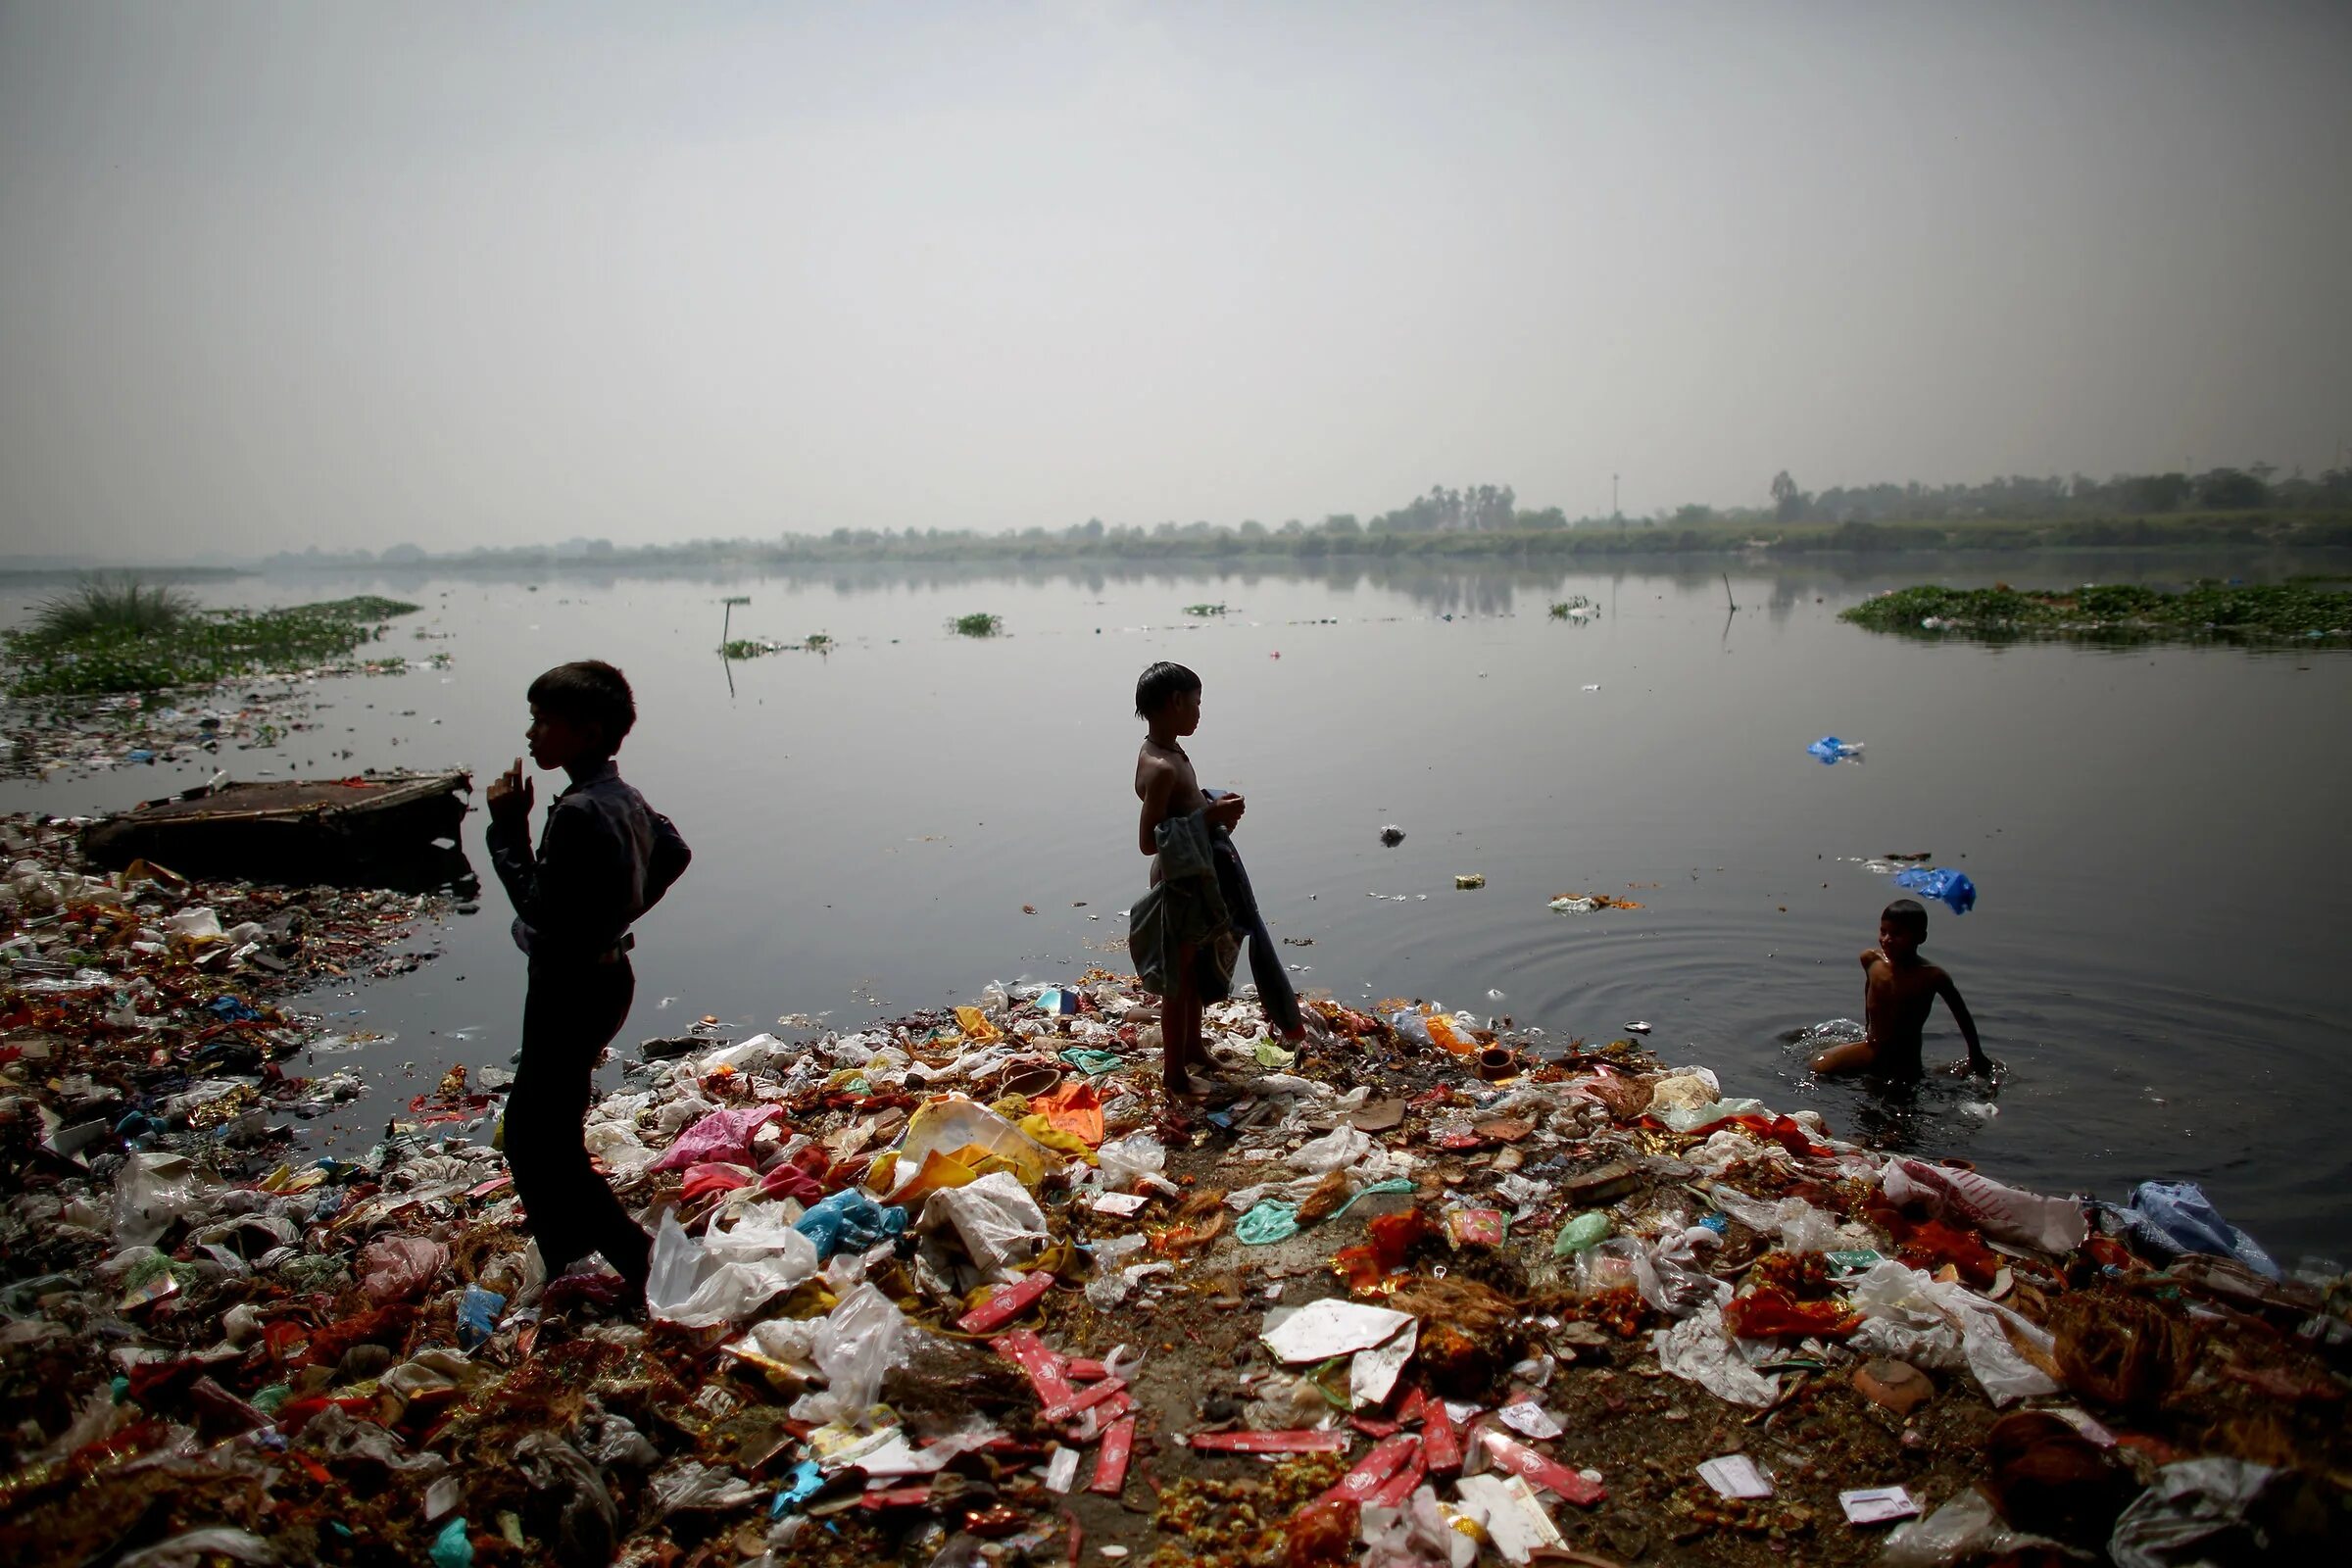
2113 612
111 638
979 626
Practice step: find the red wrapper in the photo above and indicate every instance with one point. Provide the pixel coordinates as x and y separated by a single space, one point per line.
1384 1462
1110 1465
1085 1402
1027 1352
1397 1488
1521 1460
1441 1445
1009 1302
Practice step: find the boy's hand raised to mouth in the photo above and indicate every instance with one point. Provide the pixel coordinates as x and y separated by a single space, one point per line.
508 796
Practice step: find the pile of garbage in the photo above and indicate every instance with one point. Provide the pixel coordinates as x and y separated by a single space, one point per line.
88 735
967 1287
138 1030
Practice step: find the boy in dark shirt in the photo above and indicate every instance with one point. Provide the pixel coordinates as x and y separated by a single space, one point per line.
1899 989
604 859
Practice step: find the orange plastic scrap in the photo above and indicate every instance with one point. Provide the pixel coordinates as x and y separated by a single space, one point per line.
1075 1108
1769 1310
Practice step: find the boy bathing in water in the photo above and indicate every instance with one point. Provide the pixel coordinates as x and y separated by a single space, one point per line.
605 858
1187 930
1898 991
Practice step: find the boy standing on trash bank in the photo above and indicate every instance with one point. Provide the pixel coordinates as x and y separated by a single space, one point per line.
1898 991
1186 934
604 859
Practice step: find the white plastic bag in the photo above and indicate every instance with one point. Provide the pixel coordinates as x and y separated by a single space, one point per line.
1344 1145
152 1190
1912 1317
859 1340
998 1223
1126 1160
1665 1283
1800 1226
699 1286
1699 1349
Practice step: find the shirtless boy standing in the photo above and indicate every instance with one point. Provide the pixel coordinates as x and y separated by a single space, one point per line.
1898 991
1168 700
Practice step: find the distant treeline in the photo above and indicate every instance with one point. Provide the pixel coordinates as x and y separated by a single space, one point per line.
2218 507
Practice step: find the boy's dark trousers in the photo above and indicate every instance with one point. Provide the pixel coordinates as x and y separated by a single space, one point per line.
572 1011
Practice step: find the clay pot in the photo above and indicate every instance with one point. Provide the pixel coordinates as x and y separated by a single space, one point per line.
1497 1062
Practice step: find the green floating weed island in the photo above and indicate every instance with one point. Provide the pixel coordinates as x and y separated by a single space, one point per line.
76 650
2113 613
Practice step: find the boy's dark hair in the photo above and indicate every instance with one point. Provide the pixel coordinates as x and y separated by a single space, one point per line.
1909 913
588 691
1158 684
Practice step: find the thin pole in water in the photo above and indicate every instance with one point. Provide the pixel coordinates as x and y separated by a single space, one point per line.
1726 592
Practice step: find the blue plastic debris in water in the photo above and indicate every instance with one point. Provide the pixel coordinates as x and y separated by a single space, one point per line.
1952 887
478 1315
451 1549
2178 1217
1831 751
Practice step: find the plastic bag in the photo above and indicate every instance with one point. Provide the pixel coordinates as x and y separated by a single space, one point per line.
1586 1230
1953 888
1912 1317
1698 1350
152 1191
2196 1513
398 1268
2177 1218
851 1220
723 1135
699 1286
859 1340
948 1125
477 1317
2004 1213
587 1522
998 1223
1337 1149
1964 1530
1665 1283
1800 1226
1127 1161
692 1483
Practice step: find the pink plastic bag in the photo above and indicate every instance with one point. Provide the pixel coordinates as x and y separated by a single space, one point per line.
723 1135
399 1267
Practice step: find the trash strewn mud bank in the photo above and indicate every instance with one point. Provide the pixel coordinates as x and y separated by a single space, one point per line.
967 1288
2113 612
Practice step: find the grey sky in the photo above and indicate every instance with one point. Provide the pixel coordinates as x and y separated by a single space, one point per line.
343 274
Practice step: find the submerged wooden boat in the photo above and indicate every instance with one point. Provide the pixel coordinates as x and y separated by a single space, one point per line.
308 827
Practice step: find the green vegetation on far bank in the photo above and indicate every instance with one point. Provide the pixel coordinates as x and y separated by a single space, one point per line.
2118 613
129 636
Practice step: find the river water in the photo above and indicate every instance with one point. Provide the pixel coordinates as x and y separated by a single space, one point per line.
2155 832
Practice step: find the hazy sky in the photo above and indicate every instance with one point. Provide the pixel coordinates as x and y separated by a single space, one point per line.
277 274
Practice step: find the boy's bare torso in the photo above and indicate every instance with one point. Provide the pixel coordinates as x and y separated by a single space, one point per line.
1896 1003
1167 771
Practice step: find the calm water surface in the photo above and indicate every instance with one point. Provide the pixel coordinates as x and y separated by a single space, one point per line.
2157 834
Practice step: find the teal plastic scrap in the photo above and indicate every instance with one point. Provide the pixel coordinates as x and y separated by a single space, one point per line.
452 1547
1271 1221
